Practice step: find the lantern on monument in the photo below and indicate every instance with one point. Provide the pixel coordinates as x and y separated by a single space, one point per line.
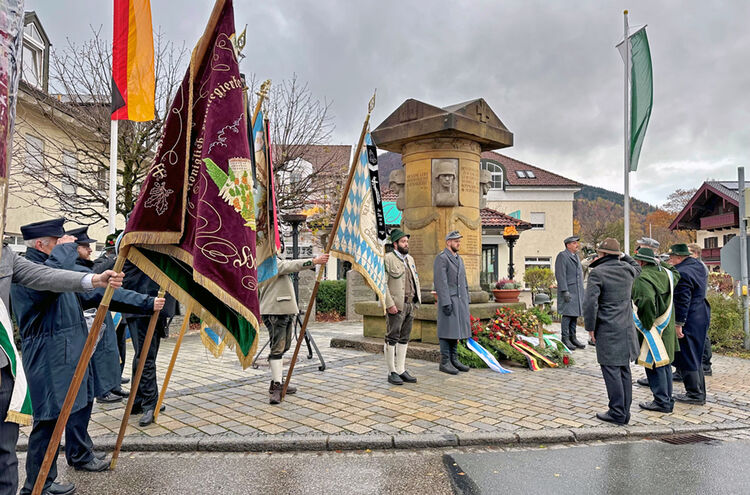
510 234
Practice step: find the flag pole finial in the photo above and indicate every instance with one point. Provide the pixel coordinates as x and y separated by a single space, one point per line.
625 12
371 105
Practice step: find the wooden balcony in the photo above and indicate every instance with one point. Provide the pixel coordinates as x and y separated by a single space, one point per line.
711 254
730 219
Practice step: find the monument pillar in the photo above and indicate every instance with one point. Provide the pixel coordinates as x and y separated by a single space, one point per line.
431 212
439 191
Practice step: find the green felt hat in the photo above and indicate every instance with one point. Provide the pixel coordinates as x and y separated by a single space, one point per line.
397 234
647 255
679 250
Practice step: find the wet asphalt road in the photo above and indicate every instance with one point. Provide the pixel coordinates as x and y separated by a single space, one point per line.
387 472
620 468
603 468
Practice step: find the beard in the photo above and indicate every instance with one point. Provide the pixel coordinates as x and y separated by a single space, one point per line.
402 250
454 249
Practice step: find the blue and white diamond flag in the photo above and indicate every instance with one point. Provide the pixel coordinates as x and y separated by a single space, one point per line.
359 240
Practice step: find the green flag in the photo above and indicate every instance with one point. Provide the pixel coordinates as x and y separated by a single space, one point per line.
641 92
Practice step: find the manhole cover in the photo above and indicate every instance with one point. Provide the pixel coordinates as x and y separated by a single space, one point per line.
687 438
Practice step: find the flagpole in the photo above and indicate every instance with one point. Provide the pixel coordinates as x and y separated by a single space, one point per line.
626 193
177 345
329 245
112 176
78 375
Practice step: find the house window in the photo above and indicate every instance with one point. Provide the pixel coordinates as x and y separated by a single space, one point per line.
490 267
727 238
497 174
538 262
521 174
102 179
34 162
537 220
710 242
32 56
530 174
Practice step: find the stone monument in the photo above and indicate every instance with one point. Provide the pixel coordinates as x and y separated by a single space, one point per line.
442 188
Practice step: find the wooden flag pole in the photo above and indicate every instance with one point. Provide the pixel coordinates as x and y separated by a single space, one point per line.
78 375
172 362
329 245
136 381
262 93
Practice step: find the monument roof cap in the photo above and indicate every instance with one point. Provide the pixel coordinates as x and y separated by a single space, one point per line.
415 120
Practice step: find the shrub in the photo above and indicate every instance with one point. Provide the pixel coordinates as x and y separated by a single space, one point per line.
506 283
539 280
331 297
726 320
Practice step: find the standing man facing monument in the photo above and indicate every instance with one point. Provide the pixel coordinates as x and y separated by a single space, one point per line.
608 316
401 300
278 308
654 310
569 276
452 288
692 316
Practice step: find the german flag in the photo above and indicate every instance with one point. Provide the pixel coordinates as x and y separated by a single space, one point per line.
133 81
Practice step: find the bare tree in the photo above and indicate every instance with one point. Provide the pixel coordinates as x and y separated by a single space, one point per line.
73 167
307 169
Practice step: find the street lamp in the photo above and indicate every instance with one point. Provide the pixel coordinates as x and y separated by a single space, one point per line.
295 219
510 234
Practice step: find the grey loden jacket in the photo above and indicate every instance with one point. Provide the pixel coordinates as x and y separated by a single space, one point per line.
452 290
569 276
277 293
608 309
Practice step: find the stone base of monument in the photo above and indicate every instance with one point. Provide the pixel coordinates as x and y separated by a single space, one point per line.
424 327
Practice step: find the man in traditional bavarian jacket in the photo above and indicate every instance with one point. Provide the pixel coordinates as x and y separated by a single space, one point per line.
401 300
653 305
278 308
453 320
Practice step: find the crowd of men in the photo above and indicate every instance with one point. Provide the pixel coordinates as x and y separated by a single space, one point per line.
648 309
49 291
642 308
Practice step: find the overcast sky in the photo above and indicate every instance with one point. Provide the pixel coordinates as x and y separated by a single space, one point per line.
547 68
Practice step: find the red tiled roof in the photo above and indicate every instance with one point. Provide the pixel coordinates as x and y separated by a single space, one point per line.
543 177
494 218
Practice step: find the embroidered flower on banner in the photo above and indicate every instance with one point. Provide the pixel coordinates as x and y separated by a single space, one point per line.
157 198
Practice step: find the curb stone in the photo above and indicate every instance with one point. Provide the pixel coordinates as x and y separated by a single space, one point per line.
288 443
425 440
487 438
556 435
360 442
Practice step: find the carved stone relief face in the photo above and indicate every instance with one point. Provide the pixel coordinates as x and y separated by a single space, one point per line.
396 183
444 187
485 178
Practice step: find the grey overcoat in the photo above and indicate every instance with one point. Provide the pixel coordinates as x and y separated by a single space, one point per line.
449 275
608 310
569 276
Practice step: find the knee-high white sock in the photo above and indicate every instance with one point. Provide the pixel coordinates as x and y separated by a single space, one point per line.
390 356
276 369
401 358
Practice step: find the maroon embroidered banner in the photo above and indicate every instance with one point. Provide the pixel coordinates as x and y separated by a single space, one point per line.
193 227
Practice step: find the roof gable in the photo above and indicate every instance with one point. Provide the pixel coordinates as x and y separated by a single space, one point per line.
689 217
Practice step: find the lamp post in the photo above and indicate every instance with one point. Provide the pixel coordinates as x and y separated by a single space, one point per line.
510 234
295 219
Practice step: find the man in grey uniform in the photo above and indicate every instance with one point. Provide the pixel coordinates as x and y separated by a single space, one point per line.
449 276
278 308
569 276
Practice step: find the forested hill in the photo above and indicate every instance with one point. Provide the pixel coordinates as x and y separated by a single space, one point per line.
592 193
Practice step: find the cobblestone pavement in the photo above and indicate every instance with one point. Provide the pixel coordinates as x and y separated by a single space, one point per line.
211 397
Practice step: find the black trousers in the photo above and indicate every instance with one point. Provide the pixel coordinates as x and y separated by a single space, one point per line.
707 354
660 382
8 438
148 391
568 325
79 449
619 390
122 330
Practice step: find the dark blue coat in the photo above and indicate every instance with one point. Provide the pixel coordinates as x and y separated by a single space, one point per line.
105 363
692 311
53 333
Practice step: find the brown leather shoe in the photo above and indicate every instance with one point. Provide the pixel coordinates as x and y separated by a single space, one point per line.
274 393
290 390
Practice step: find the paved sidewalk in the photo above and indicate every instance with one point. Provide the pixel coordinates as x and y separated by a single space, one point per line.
214 403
